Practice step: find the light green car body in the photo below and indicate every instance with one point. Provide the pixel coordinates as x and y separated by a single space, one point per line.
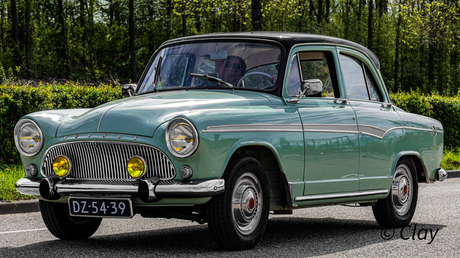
319 151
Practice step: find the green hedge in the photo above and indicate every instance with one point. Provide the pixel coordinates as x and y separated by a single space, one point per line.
17 101
444 109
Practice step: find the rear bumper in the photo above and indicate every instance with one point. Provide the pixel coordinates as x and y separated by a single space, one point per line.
177 189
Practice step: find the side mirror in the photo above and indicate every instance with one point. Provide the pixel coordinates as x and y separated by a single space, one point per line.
218 54
311 87
128 90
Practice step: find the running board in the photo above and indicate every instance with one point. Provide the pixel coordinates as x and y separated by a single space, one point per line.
339 195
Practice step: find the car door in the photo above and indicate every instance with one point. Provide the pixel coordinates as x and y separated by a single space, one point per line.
330 128
378 123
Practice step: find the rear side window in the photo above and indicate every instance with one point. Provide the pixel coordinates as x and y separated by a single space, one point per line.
358 80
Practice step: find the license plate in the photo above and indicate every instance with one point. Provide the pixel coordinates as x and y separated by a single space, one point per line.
101 207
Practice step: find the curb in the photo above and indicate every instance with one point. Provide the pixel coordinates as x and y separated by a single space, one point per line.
19 207
32 205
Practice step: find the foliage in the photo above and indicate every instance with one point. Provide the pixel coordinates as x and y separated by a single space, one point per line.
9 174
17 101
444 109
451 159
417 41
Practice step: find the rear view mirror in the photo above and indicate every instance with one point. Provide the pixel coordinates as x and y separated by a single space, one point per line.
312 86
218 54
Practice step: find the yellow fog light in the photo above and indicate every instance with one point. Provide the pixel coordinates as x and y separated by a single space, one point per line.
136 167
61 166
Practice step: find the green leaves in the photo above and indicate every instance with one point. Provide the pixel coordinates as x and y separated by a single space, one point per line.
17 101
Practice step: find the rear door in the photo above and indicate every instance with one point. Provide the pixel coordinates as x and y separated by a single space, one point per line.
379 124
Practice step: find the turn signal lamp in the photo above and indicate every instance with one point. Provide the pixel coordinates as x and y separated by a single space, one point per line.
61 166
136 167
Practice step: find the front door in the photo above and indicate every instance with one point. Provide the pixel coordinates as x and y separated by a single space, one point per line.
329 124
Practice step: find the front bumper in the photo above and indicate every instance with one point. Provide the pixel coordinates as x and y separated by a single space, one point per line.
176 189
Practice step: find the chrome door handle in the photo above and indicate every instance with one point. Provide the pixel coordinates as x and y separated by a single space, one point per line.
341 101
386 105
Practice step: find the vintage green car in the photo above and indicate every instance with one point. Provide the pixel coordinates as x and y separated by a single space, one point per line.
224 128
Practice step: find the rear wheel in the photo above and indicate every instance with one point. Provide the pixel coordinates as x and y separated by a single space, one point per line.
398 208
59 222
238 218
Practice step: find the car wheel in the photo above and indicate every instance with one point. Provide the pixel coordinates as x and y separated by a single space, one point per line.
237 219
398 208
59 222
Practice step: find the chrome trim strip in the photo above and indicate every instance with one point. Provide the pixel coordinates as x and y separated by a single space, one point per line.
183 189
103 114
253 128
369 130
339 195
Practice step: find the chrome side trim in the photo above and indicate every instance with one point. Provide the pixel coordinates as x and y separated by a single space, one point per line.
339 195
253 128
176 189
368 130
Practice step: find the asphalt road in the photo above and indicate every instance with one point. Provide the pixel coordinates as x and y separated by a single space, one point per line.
334 231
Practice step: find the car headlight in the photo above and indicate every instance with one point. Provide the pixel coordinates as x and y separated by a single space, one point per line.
181 137
28 137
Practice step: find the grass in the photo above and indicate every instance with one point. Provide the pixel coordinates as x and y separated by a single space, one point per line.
9 174
451 159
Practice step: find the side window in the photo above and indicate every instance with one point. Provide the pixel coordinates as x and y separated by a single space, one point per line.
312 65
374 91
353 77
293 85
358 80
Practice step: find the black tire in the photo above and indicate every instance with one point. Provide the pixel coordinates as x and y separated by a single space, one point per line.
398 208
59 222
242 226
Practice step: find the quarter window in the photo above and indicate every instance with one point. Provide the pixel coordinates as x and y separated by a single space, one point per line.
358 80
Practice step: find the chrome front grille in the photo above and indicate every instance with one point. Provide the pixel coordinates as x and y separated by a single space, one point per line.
106 161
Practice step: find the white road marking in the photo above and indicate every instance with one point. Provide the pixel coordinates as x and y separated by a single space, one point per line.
20 231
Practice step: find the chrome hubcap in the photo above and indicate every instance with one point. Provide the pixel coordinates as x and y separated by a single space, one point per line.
247 203
401 190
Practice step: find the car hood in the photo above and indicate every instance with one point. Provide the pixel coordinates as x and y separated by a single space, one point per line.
141 115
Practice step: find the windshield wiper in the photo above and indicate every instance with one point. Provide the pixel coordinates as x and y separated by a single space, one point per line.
157 70
212 79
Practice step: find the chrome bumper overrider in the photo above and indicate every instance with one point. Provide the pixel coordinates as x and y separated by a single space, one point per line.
177 189
442 174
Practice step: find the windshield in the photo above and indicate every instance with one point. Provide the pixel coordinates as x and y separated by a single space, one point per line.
217 64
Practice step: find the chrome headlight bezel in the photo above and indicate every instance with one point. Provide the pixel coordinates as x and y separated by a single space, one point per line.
17 130
174 123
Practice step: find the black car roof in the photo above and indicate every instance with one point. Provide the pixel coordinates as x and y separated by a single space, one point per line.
287 39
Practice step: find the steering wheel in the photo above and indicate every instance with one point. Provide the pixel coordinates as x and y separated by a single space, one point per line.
251 73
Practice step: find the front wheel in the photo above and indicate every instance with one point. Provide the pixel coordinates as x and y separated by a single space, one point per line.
59 222
238 218
398 208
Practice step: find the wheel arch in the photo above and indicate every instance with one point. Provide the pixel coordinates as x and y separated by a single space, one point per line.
268 156
418 163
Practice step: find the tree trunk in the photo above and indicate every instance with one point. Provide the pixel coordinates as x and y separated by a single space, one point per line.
168 14
63 35
110 13
256 9
319 14
328 10
369 24
1 26
398 39
132 49
14 29
29 73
